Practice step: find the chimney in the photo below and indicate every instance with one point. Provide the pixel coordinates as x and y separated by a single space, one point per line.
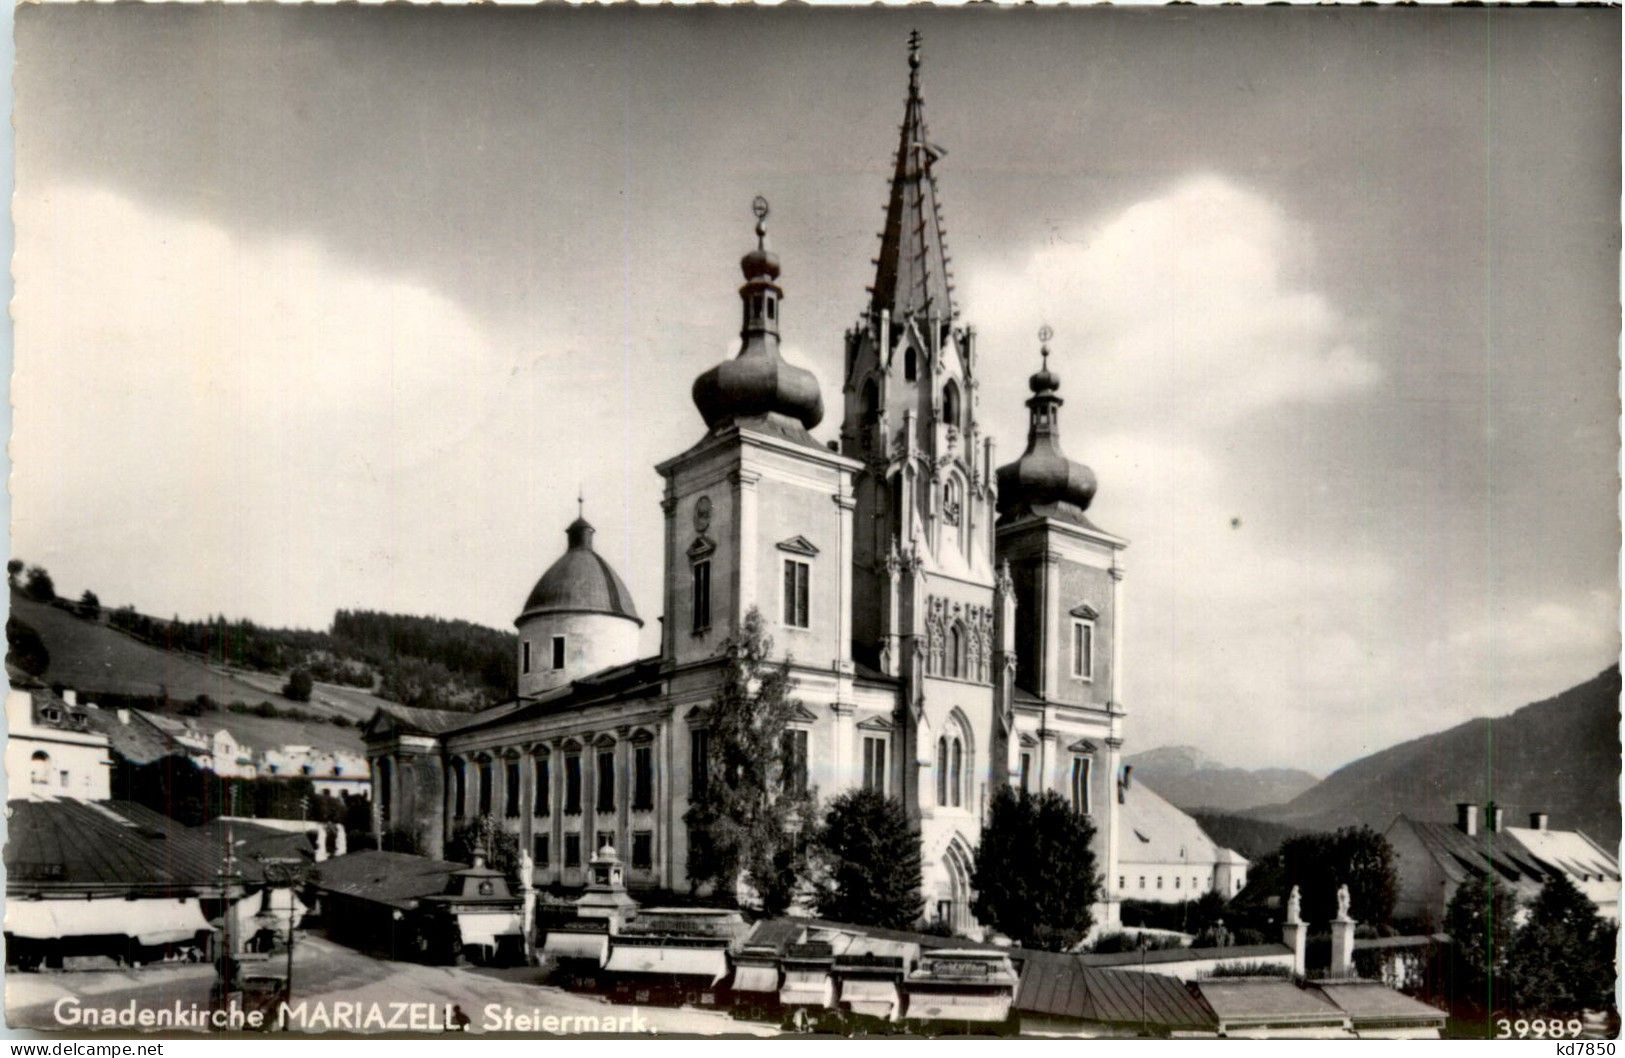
69 696
1537 820
1494 817
1125 782
1467 818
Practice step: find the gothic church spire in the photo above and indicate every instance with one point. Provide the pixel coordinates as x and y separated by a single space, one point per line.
911 274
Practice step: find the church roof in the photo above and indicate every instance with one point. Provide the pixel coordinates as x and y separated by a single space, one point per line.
911 274
580 582
1043 481
1155 832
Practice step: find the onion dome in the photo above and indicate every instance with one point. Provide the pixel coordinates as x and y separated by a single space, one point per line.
1044 482
580 582
758 388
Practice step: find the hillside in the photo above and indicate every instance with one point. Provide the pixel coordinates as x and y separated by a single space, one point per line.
99 661
1191 780
1561 756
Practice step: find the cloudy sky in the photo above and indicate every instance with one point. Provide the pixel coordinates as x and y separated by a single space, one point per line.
338 308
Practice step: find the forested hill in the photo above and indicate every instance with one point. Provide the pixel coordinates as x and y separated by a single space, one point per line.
1560 756
430 662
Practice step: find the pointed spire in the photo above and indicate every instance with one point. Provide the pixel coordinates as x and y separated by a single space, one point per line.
911 276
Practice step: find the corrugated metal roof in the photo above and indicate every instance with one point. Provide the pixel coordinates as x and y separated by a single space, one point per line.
1060 985
393 878
1245 1000
1168 955
1374 1001
107 846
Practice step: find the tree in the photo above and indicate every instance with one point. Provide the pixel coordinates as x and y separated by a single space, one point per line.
870 853
1035 875
14 572
1479 920
1357 857
486 836
25 649
751 805
90 606
299 686
1561 961
40 586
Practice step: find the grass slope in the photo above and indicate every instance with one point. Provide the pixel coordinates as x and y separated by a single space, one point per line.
1561 756
95 659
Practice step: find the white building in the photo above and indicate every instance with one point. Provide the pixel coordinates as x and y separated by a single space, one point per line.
952 626
52 750
1165 856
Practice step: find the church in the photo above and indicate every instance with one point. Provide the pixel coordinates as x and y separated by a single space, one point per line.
952 626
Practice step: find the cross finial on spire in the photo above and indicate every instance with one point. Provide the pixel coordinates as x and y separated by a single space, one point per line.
758 206
581 503
913 48
1045 333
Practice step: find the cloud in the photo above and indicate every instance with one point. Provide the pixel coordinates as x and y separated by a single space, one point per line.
1189 303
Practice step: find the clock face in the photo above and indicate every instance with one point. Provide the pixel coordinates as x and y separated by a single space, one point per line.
702 514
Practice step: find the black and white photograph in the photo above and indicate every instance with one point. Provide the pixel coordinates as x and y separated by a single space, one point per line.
814 521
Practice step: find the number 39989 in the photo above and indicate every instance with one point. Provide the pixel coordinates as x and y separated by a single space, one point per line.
1537 1028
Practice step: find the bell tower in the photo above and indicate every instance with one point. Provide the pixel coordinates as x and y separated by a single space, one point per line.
925 496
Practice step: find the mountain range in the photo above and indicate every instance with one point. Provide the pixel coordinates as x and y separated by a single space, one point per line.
1192 780
1560 756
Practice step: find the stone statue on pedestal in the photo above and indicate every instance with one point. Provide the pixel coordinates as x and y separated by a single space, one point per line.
1294 907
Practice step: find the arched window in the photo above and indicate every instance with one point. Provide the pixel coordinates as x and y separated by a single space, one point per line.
957 780
868 400
911 365
950 403
39 771
942 771
459 788
956 651
951 498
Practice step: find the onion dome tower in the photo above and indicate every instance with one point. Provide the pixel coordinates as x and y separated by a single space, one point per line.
579 618
1044 482
757 389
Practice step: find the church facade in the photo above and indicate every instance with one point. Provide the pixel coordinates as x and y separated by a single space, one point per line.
951 627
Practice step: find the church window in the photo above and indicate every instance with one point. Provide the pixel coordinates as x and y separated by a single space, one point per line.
643 848
950 403
700 575
1026 773
911 366
956 651
510 790
524 656
643 777
874 765
796 575
770 309
558 653
957 779
793 754
606 780
539 850
485 788
1080 785
942 771
699 762
40 768
1083 649
544 786
572 850
572 785
459 789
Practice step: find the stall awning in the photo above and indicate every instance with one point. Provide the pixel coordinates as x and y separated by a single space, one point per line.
958 1006
594 946
168 921
158 920
807 988
709 963
876 998
756 979
483 928
32 919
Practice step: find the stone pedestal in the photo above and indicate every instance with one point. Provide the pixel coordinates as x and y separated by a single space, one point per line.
1342 947
1295 935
